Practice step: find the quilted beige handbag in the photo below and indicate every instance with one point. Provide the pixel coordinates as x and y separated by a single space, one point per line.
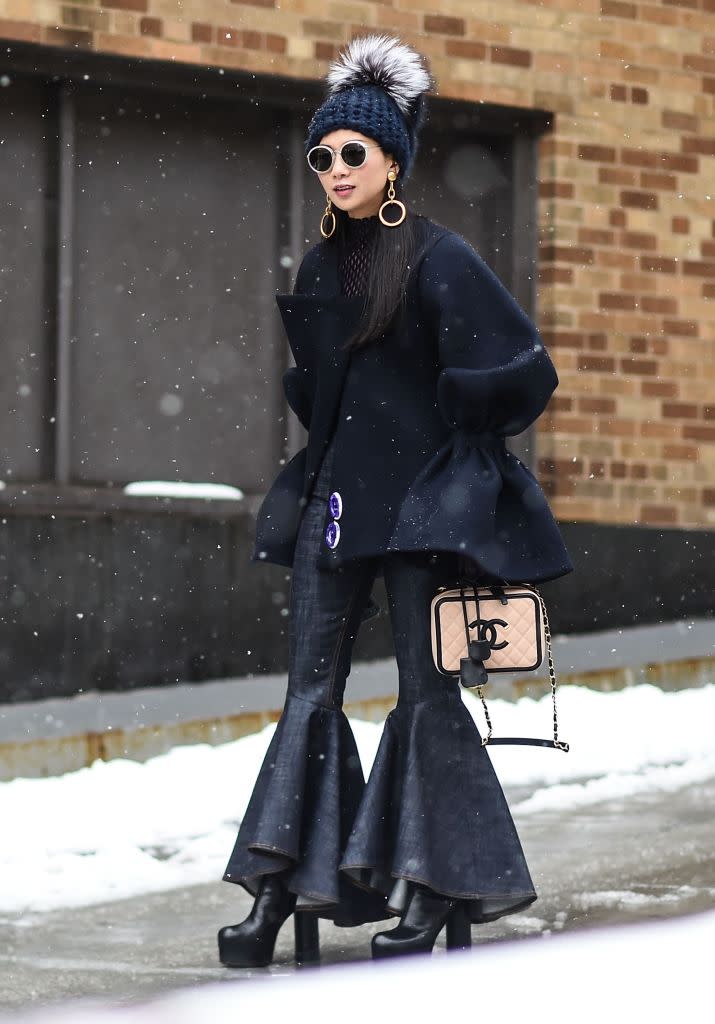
495 628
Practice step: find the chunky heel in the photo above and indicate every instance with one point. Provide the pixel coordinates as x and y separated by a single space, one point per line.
307 937
251 942
425 916
459 928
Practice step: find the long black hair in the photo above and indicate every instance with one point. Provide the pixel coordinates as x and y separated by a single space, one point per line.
393 254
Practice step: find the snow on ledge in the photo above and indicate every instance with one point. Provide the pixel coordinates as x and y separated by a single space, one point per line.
181 489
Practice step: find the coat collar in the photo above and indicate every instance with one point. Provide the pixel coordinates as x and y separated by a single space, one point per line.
317 326
322 271
319 322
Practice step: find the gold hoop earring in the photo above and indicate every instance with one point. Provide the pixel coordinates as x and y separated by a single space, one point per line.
390 201
328 213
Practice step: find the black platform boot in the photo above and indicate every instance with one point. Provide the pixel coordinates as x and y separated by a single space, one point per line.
251 943
426 914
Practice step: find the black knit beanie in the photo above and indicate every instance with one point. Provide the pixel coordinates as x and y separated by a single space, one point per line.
377 86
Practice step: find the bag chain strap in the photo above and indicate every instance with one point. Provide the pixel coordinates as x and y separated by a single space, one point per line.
552 675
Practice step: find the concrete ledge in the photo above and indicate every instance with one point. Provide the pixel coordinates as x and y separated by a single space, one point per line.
41 738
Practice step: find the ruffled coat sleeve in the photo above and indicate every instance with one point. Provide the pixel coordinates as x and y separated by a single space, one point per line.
474 497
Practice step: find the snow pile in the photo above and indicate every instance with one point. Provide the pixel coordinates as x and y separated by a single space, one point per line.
121 828
654 971
637 740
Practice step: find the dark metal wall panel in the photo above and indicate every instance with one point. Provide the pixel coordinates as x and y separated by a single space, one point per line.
118 602
632 575
51 607
465 183
26 206
175 246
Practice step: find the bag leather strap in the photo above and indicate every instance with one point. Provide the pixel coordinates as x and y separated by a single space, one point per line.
528 741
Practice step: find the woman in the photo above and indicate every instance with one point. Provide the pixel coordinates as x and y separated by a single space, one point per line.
413 363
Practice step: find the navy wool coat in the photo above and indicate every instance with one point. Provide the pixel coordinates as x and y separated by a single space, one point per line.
420 418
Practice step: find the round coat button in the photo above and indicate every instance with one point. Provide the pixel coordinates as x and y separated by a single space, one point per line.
332 535
336 505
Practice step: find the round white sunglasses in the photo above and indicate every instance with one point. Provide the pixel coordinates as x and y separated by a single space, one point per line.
353 153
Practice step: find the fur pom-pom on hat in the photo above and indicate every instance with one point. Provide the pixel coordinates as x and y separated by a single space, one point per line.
384 61
377 85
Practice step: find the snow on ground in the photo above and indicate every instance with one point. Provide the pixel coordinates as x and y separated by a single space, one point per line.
658 971
121 828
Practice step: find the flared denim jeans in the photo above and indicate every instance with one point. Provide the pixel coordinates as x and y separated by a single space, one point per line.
432 810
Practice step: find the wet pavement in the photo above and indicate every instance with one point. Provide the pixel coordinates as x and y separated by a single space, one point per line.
649 856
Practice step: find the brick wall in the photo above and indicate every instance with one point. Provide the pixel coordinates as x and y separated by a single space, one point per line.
626 208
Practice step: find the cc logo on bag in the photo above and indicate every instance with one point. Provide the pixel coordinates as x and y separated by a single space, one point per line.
485 625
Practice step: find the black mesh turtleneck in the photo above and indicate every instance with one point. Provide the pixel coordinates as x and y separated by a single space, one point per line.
354 256
353 266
